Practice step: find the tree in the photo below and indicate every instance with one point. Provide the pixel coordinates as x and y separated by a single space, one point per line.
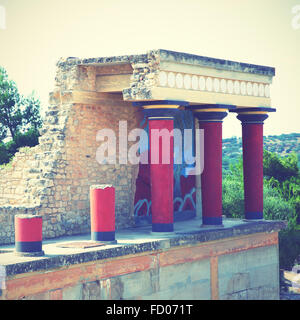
31 114
10 113
17 113
280 168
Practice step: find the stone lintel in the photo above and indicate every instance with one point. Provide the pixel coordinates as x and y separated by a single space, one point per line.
220 64
164 74
173 56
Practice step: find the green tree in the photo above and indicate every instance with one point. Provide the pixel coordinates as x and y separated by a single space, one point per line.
10 113
17 113
19 118
31 115
280 168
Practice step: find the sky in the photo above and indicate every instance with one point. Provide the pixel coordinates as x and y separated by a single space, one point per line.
34 34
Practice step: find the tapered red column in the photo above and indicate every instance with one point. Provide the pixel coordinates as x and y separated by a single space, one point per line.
211 178
210 124
161 174
253 170
160 116
252 135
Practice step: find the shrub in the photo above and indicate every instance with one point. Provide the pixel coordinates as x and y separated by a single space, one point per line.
11 148
233 191
289 248
280 168
276 207
233 197
27 139
4 156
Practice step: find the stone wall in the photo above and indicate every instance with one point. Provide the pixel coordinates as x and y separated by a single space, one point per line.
53 178
243 267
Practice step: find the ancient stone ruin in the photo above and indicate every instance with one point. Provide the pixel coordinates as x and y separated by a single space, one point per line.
53 178
202 255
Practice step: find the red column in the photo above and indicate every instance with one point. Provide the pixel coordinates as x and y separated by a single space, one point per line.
28 235
161 175
210 119
102 208
252 130
211 177
253 169
160 116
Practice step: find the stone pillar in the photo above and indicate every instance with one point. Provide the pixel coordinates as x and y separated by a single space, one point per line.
210 121
252 134
160 116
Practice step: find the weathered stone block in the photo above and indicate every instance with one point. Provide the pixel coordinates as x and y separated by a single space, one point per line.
183 275
243 272
73 292
136 284
91 291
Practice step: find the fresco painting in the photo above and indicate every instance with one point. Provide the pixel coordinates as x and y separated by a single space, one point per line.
184 184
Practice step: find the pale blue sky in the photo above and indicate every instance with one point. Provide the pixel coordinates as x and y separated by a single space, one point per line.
39 32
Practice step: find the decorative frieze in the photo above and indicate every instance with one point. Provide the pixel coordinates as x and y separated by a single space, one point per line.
186 81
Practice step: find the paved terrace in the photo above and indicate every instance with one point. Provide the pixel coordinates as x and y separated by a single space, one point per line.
129 241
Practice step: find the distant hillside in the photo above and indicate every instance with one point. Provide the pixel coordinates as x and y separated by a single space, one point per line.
282 144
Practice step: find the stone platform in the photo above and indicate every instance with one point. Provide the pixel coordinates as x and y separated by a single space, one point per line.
238 261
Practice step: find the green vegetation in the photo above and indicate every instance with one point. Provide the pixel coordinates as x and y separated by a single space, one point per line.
19 119
281 199
282 144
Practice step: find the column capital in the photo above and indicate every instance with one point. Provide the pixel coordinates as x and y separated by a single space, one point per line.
211 112
161 109
253 115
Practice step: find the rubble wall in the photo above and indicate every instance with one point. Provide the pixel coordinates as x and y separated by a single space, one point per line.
53 178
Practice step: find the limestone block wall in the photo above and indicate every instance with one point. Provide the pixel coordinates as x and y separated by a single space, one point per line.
18 181
78 169
13 178
53 178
